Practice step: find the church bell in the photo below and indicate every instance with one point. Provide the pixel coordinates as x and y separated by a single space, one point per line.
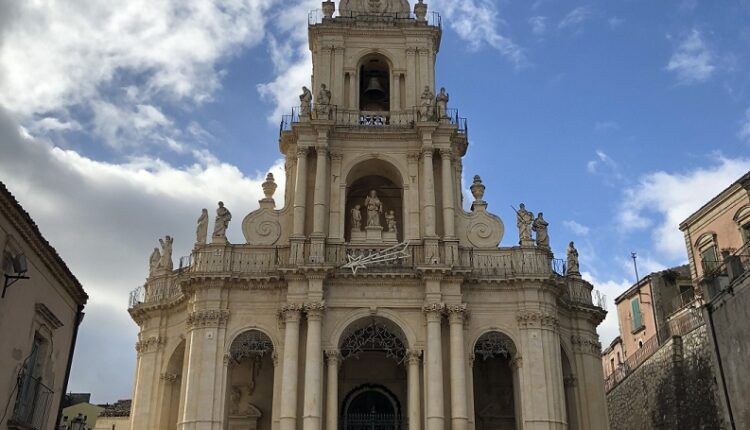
374 90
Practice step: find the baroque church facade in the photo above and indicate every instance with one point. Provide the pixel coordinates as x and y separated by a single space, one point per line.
371 299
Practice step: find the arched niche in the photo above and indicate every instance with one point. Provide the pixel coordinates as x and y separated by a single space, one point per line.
496 383
171 392
374 83
250 379
383 178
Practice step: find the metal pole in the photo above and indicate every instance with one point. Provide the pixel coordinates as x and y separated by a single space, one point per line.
634 256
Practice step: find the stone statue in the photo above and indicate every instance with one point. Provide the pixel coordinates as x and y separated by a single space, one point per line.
305 103
235 396
154 261
524 221
324 102
356 218
166 253
540 227
374 209
573 264
201 231
442 103
390 221
426 110
223 216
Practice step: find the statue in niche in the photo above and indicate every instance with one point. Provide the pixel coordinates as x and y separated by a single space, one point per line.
223 216
234 397
426 110
524 220
540 227
356 218
305 103
573 264
374 209
324 102
390 221
201 231
442 103
166 253
154 261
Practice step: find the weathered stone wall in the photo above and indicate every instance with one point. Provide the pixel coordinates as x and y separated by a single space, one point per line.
674 389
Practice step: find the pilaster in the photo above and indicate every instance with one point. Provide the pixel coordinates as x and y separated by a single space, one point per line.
291 314
434 362
313 404
459 394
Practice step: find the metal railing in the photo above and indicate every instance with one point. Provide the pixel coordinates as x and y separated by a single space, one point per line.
33 404
720 276
680 301
318 16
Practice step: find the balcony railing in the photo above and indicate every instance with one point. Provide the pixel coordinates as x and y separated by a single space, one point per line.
315 17
373 120
720 276
681 301
32 405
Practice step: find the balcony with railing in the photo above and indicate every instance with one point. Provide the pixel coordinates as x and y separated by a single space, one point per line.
32 406
393 19
721 276
681 301
373 120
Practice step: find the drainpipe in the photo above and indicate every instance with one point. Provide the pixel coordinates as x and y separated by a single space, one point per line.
709 309
79 319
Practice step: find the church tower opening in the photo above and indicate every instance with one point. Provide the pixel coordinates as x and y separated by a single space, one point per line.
374 84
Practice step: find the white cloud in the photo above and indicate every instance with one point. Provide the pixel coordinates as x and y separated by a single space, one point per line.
538 25
576 17
692 61
661 201
744 133
577 228
605 166
103 218
57 56
478 22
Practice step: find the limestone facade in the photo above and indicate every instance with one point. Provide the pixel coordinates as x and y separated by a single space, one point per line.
371 298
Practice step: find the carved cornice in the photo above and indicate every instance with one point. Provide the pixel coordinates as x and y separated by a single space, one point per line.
314 311
208 318
457 313
291 312
150 344
586 344
535 319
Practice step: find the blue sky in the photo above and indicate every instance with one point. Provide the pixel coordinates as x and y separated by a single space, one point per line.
616 119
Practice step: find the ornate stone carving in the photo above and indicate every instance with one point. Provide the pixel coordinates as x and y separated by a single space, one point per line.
165 263
427 108
208 318
305 103
420 11
223 216
434 311
291 312
251 343
477 189
154 261
169 378
262 228
356 218
442 104
484 231
328 9
374 336
323 103
333 356
315 310
390 221
413 356
357 7
540 227
150 344
457 313
524 220
528 319
586 345
494 344
201 231
269 186
574 267
374 208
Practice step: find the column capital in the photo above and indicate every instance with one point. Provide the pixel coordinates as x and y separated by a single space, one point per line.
169 378
315 310
333 356
516 363
302 151
457 314
427 152
413 356
472 358
433 311
150 344
275 358
321 150
208 318
292 312
446 153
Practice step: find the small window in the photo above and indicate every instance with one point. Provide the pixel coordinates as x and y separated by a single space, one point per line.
619 358
710 259
635 305
640 344
612 364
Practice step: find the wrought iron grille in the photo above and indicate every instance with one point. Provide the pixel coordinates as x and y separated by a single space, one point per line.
373 337
494 344
250 344
32 404
371 421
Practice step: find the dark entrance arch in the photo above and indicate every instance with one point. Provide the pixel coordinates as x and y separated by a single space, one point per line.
371 407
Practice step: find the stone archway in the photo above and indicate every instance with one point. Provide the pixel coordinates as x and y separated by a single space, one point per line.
383 178
250 381
369 407
496 390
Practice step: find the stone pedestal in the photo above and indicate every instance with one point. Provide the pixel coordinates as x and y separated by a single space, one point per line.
374 234
390 237
248 420
358 236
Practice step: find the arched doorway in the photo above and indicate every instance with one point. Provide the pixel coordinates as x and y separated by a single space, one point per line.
496 400
250 382
373 352
383 178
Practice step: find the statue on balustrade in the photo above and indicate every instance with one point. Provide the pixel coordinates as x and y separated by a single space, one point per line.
426 111
524 220
573 264
541 227
374 209
305 103
223 216
356 218
390 221
166 253
324 103
201 231
442 103
154 261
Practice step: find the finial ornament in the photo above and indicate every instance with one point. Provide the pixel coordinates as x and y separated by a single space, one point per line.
269 186
477 189
329 8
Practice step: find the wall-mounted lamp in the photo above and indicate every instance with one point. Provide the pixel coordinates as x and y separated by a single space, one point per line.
20 267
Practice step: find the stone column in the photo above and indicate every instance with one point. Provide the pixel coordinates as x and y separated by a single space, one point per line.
319 198
448 203
300 193
313 406
590 394
459 394
333 358
415 415
288 410
337 214
147 379
275 406
434 363
428 193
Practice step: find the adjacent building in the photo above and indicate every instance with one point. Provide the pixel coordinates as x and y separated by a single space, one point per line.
40 311
718 242
371 299
115 416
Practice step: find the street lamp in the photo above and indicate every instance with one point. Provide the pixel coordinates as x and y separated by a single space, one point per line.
78 423
20 267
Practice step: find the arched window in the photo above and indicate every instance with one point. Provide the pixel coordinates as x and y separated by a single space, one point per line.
742 218
709 251
374 84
